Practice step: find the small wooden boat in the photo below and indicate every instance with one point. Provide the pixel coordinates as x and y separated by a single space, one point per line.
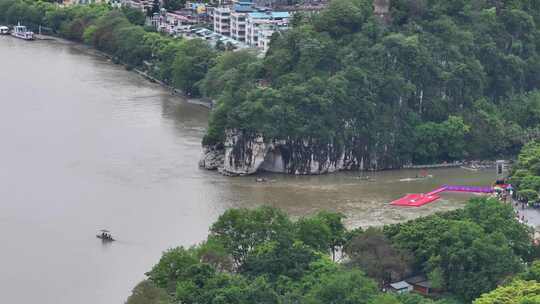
411 179
105 236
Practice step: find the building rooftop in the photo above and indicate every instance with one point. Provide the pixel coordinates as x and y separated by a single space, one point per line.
243 8
416 279
269 15
400 285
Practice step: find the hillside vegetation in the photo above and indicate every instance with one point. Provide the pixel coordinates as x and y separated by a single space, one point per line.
438 81
261 256
435 81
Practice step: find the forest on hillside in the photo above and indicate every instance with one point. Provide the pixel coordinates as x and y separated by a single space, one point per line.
434 81
438 81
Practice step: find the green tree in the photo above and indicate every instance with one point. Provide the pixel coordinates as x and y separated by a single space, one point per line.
472 251
242 230
134 16
214 253
172 267
147 292
337 230
193 59
522 292
173 5
314 233
373 253
344 287
532 273
279 258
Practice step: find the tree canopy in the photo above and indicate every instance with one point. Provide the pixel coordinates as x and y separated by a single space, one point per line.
470 251
262 256
433 82
526 173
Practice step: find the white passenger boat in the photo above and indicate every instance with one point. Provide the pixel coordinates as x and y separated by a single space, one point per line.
4 30
20 31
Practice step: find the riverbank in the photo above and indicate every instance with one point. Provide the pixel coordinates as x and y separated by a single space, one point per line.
97 146
207 103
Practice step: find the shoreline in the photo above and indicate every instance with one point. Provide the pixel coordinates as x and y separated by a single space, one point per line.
209 104
92 51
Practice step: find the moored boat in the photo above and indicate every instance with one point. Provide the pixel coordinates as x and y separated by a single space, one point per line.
4 30
20 31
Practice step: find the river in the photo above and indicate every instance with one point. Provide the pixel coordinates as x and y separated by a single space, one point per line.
87 145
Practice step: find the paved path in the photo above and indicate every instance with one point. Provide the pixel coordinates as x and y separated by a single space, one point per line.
532 215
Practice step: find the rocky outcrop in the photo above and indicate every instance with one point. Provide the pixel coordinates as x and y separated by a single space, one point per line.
244 154
212 158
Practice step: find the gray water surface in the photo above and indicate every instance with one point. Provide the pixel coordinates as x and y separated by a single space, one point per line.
87 145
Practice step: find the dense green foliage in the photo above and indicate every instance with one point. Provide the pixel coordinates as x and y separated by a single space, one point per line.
174 4
373 252
519 292
261 256
434 82
526 173
437 82
469 251
119 33
146 292
524 289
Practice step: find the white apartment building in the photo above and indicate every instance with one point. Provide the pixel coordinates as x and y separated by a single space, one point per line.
263 24
265 35
222 20
238 26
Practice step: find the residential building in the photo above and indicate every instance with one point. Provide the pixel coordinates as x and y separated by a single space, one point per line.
400 287
265 33
222 21
141 5
421 284
176 18
238 20
261 24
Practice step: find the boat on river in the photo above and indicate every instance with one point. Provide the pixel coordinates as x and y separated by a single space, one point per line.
20 31
4 30
412 179
105 236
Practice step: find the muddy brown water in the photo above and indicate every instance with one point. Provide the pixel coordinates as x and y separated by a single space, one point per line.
87 145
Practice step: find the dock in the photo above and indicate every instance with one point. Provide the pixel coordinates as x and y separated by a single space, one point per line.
421 199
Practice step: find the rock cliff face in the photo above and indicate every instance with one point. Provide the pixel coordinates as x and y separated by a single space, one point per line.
244 154
212 158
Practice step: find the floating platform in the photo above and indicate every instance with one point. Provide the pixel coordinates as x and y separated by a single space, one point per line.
415 200
420 199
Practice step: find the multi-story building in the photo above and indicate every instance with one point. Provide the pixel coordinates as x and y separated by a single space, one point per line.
222 20
239 19
263 24
238 26
265 33
141 5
